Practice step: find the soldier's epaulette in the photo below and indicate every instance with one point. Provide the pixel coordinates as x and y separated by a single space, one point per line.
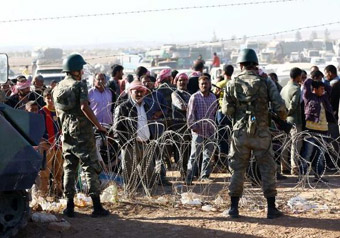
236 78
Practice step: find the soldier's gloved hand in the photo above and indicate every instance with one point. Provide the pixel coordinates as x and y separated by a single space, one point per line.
102 129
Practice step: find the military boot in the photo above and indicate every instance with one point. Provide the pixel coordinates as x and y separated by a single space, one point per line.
98 210
273 212
69 211
233 211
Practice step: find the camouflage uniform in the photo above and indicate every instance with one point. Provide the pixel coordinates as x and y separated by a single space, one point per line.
78 143
246 100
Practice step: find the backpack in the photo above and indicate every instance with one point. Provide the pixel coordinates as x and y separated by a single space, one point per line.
248 89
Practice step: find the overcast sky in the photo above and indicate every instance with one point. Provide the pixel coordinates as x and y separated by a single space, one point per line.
169 27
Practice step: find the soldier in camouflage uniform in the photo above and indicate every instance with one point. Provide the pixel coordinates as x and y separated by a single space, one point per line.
246 100
78 142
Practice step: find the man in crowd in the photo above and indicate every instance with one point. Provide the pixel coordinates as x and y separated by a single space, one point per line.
332 76
26 71
22 96
132 132
222 120
216 60
303 77
173 75
201 112
116 84
180 99
38 84
313 68
246 101
6 89
158 110
100 99
140 71
166 88
273 76
77 119
38 89
291 94
154 98
193 78
332 87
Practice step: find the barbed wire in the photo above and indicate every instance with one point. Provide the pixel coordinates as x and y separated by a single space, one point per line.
227 40
275 33
145 11
240 38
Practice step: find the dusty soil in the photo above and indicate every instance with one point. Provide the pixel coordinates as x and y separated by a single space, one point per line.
145 217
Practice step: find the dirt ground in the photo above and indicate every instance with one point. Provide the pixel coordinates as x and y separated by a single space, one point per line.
145 217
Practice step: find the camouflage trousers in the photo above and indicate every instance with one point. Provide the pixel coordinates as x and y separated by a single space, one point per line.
243 146
80 150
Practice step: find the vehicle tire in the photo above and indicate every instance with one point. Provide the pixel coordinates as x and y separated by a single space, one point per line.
14 212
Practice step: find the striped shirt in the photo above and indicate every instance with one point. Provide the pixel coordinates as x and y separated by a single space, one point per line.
201 114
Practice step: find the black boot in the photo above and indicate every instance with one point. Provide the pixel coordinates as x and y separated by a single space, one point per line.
98 210
69 211
273 212
233 211
280 176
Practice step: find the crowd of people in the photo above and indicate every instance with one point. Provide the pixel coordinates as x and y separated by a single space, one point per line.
155 121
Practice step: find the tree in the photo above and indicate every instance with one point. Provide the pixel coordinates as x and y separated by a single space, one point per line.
298 36
313 35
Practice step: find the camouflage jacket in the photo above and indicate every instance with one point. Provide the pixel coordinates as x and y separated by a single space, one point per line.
247 98
68 96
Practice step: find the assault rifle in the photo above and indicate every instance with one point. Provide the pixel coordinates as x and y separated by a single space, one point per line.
281 124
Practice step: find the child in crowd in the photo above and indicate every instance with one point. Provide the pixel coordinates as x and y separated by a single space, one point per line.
54 160
32 106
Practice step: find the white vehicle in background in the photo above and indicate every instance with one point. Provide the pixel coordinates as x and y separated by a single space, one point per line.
50 74
295 57
49 78
42 70
317 61
283 71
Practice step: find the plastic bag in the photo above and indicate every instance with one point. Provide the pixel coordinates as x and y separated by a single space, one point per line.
110 194
44 217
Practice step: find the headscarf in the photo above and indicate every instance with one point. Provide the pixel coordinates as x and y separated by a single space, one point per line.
181 75
136 84
165 73
23 84
195 74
